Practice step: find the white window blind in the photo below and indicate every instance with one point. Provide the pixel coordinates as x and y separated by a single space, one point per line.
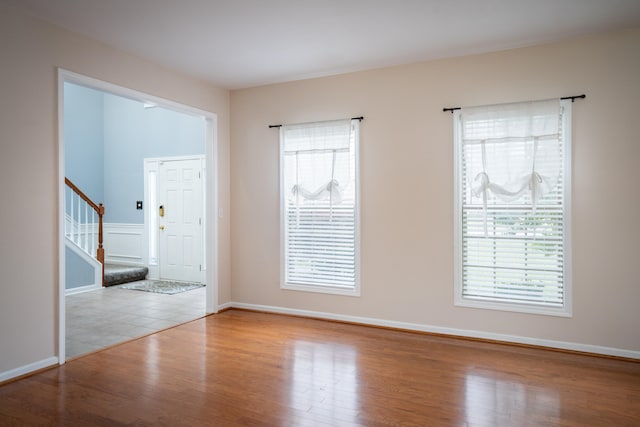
319 206
513 194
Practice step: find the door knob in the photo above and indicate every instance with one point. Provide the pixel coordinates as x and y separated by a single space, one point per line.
162 227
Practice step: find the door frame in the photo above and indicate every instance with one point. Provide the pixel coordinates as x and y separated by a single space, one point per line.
154 270
210 187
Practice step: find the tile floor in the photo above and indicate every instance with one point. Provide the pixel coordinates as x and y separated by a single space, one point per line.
108 316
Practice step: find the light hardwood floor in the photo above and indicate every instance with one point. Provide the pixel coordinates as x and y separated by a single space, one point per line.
242 368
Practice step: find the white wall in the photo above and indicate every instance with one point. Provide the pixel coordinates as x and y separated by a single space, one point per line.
407 186
30 53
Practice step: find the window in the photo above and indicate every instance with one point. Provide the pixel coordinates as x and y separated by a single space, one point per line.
319 206
512 185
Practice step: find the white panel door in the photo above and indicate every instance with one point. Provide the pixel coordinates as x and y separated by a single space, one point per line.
180 220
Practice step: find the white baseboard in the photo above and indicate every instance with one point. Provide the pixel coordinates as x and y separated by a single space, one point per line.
26 369
586 348
226 306
81 289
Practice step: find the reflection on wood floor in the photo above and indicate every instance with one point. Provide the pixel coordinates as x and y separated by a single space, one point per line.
245 368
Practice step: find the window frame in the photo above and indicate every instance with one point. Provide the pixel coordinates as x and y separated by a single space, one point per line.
316 288
459 299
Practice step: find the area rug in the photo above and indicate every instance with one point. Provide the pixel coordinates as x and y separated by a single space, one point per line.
161 286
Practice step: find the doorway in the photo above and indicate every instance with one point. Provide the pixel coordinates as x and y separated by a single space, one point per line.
207 236
175 221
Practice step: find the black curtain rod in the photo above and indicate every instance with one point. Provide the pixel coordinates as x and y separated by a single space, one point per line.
572 98
352 118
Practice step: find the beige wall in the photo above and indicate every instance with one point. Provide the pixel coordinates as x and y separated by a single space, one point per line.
406 177
30 51
407 185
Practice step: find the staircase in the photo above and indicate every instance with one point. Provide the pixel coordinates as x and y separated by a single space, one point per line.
83 232
83 235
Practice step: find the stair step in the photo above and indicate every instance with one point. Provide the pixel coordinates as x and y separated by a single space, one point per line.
115 274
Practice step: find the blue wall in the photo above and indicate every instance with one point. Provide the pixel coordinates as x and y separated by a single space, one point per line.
84 139
77 271
132 133
84 164
107 138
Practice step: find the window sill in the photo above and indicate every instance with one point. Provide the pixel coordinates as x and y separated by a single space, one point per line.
514 307
321 289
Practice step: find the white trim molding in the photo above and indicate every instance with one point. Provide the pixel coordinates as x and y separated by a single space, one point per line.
27 369
211 187
81 289
226 306
453 332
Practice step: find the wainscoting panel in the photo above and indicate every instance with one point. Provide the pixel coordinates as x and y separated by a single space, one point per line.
124 244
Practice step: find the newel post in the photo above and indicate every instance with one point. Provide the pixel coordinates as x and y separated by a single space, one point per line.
100 253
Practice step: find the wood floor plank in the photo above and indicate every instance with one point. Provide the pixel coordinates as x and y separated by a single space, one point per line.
255 369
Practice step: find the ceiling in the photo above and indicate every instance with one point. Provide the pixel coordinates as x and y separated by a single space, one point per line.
242 43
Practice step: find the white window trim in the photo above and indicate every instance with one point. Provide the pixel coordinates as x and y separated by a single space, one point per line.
459 300
355 292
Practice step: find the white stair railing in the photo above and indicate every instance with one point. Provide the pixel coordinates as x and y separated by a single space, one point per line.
80 225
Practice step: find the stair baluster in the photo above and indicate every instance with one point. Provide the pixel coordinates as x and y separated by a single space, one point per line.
77 223
82 226
85 228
